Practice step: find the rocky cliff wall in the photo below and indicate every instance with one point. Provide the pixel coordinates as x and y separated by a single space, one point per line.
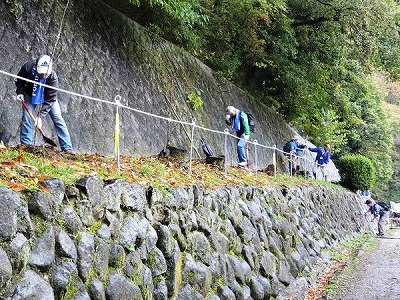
112 240
100 53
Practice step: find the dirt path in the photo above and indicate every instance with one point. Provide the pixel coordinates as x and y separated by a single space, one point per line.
374 275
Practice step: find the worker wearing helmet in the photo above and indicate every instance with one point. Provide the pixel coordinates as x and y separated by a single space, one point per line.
35 95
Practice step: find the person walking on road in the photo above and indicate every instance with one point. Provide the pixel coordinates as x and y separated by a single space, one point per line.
379 213
240 124
34 95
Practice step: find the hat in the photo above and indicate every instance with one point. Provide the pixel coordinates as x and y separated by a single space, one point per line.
44 64
230 109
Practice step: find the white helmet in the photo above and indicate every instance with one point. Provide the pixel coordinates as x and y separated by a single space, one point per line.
44 64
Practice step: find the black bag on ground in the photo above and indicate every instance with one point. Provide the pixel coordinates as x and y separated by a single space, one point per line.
206 148
384 205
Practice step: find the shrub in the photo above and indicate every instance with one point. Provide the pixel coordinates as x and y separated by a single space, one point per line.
194 99
357 172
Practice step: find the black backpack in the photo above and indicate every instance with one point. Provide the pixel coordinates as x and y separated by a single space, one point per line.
287 148
384 205
252 121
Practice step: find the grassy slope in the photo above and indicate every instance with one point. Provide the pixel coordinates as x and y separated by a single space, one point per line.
23 168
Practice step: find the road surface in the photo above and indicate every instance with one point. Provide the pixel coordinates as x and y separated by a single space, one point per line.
374 275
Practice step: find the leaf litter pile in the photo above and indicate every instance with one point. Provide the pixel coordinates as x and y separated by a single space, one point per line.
22 168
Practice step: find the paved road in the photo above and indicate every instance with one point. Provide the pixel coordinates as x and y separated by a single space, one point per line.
374 275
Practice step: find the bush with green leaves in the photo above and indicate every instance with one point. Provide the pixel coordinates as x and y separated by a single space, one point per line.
357 172
194 99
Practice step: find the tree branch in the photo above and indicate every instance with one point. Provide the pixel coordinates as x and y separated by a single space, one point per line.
309 21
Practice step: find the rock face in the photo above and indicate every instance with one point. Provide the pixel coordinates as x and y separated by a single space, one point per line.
228 243
102 54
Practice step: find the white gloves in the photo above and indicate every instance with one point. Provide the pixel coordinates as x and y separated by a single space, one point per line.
20 97
38 122
246 138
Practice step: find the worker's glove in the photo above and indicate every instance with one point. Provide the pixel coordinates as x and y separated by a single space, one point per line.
228 120
38 123
20 97
246 138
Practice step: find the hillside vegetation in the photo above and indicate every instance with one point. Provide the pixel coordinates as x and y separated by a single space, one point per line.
313 61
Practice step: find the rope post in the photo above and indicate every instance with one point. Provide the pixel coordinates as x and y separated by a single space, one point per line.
191 146
302 161
117 100
226 131
306 167
255 142
274 159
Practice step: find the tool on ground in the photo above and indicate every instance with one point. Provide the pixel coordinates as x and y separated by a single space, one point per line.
45 138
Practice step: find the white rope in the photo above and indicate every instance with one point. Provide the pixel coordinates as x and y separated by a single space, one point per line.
59 31
148 114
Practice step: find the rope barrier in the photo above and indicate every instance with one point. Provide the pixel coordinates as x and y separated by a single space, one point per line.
59 30
168 119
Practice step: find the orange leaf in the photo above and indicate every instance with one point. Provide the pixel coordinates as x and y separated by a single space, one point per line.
19 158
44 189
15 186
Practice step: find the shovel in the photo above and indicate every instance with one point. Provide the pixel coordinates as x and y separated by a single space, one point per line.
45 138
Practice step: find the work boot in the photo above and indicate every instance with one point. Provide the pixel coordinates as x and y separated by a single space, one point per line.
70 152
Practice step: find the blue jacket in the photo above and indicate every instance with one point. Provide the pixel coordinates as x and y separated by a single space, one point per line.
26 87
376 210
322 156
240 124
295 148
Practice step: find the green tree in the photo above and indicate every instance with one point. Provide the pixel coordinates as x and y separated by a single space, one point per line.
312 60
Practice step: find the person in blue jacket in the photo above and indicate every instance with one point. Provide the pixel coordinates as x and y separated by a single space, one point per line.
323 157
379 213
293 151
295 147
44 99
240 124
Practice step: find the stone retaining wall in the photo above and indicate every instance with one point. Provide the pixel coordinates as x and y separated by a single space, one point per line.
113 240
